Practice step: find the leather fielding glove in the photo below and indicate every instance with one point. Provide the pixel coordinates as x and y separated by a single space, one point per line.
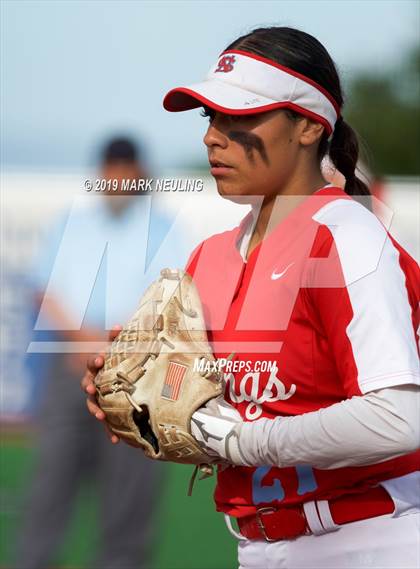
149 387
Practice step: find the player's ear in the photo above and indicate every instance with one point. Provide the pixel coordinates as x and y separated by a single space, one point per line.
310 132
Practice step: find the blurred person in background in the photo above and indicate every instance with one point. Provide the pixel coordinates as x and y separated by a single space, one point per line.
71 448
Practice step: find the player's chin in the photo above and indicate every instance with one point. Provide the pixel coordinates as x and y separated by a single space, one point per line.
237 193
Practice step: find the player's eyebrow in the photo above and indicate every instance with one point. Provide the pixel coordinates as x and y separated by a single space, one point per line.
250 142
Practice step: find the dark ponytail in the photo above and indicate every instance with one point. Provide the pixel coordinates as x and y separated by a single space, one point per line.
344 151
306 55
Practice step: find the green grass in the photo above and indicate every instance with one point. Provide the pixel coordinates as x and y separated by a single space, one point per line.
194 535
189 534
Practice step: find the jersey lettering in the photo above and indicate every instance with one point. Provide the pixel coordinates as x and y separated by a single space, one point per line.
265 494
274 390
306 479
275 492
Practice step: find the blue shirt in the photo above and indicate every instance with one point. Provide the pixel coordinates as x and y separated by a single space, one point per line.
98 264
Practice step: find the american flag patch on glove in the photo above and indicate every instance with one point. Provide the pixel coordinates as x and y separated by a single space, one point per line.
173 381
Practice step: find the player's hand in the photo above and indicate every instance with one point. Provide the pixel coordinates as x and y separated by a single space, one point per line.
76 362
94 364
216 427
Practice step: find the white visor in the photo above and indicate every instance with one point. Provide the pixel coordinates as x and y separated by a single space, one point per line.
244 83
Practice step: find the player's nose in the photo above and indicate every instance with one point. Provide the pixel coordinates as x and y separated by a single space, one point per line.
215 136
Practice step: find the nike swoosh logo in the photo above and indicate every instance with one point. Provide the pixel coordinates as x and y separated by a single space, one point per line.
275 276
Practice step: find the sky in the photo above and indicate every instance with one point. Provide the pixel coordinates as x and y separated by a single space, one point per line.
76 72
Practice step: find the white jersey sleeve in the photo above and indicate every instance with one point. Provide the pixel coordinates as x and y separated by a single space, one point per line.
372 328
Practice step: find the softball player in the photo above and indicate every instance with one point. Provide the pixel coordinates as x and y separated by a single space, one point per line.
320 305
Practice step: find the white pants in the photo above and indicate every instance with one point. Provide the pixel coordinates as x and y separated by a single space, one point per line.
384 542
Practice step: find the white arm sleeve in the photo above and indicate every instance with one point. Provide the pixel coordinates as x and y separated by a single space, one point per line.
362 430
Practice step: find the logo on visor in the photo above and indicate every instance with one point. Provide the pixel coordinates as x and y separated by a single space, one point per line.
225 64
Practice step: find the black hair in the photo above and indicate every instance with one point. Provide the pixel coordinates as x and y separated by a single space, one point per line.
121 149
303 53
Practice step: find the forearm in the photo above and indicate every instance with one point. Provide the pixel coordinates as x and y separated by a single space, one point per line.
363 430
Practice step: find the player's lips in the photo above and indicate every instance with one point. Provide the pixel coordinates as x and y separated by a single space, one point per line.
219 168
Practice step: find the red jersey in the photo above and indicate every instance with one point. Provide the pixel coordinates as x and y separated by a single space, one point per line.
325 308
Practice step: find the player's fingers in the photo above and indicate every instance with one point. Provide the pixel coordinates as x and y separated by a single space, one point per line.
89 388
100 415
86 382
87 379
113 437
95 363
114 332
94 408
